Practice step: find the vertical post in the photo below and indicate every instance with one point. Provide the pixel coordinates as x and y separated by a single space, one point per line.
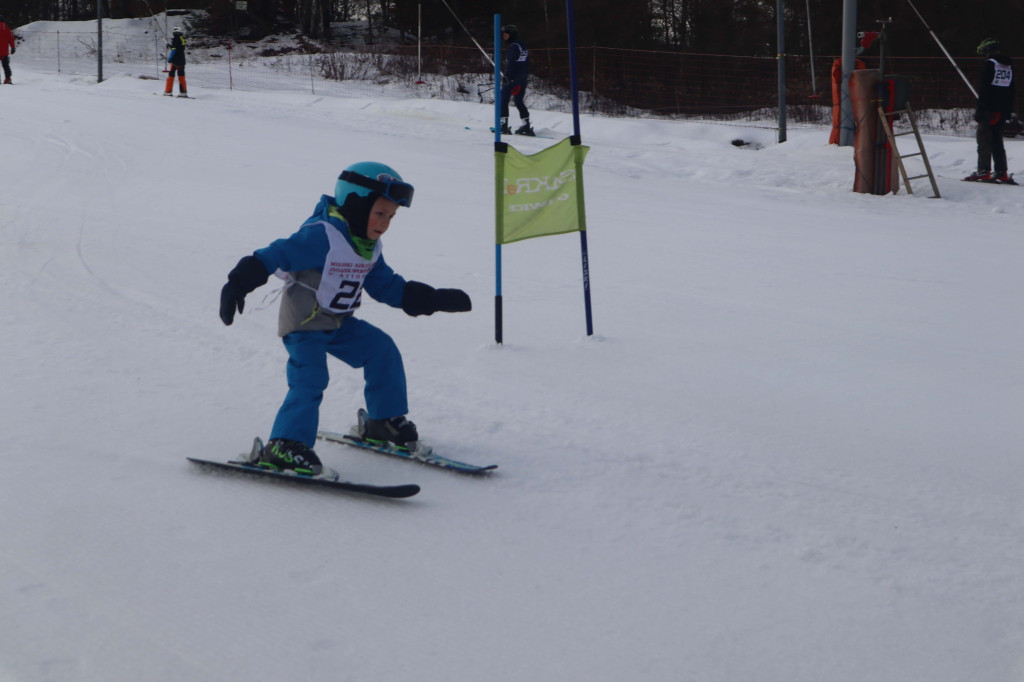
497 78
99 41
419 42
571 29
497 198
810 50
780 28
883 150
849 47
577 139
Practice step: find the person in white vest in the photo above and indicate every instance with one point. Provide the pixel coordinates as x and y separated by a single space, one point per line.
326 265
996 96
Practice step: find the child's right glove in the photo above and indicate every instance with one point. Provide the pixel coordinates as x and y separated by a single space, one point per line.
248 275
422 299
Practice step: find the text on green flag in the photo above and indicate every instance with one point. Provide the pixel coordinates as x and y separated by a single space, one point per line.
540 194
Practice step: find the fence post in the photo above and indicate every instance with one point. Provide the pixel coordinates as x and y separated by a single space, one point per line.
99 41
847 124
593 75
780 23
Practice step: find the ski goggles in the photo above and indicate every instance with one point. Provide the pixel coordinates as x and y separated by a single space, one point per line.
389 187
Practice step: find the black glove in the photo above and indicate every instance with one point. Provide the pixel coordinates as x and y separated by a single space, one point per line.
423 299
248 275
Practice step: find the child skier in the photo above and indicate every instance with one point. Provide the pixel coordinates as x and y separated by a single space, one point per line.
176 59
517 70
996 97
326 265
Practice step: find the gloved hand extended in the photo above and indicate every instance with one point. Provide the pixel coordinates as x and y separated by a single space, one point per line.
248 275
423 299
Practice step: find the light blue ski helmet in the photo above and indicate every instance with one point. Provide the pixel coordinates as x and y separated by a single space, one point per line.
367 177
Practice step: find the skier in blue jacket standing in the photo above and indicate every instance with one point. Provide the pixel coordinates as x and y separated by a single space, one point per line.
517 69
326 265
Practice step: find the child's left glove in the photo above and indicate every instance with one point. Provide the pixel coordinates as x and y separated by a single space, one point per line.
422 299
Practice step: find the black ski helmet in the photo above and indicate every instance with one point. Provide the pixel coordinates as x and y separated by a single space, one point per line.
511 29
988 45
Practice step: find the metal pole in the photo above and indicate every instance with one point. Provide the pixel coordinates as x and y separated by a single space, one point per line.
573 76
576 140
497 143
846 122
482 51
882 150
810 48
943 48
99 41
780 27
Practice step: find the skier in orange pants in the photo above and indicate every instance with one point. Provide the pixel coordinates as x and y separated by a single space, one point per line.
176 59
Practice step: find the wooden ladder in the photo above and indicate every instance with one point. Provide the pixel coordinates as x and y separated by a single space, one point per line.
883 117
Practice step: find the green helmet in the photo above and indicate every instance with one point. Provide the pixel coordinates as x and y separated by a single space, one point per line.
988 45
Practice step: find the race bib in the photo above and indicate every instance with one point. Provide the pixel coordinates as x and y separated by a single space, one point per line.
1003 76
341 285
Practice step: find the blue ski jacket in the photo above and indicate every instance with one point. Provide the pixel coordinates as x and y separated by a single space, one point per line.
300 259
517 64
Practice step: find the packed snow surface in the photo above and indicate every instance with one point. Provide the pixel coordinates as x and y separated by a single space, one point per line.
790 452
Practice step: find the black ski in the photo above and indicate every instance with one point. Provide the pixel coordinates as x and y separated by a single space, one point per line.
544 134
328 479
993 181
424 454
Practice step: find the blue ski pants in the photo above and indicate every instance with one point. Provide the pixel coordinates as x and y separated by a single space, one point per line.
358 344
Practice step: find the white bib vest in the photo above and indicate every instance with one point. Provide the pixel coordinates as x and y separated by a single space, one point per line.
341 285
344 271
1003 75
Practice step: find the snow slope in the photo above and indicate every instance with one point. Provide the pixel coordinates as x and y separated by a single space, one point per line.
790 453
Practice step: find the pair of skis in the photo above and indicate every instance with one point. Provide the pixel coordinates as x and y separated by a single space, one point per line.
331 479
992 180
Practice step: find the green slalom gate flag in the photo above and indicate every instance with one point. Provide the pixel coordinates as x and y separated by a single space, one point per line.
540 194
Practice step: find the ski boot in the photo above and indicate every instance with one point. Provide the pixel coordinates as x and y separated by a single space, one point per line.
397 431
7 81
280 454
1003 178
525 129
979 176
505 130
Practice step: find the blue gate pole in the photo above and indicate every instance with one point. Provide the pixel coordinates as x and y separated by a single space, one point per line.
576 140
497 197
